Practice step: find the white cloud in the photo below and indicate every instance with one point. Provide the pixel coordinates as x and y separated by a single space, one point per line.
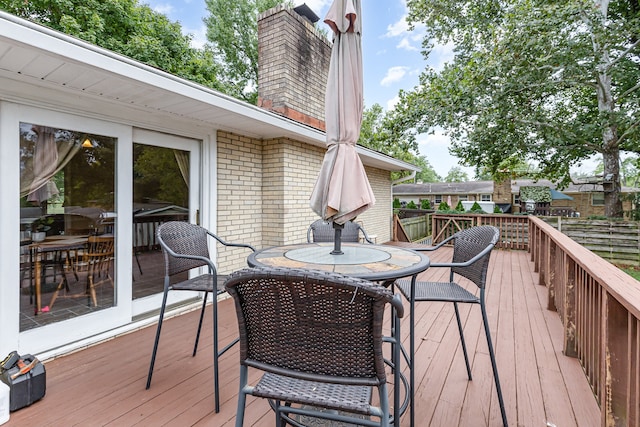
199 36
164 8
391 104
440 55
398 28
394 74
406 44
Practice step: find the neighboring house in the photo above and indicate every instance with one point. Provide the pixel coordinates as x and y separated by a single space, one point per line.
588 198
237 169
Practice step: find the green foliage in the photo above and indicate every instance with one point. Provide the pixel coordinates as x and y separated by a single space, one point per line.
538 194
476 208
459 206
232 29
444 206
125 27
496 209
425 204
634 213
378 132
411 205
531 81
396 203
42 224
456 174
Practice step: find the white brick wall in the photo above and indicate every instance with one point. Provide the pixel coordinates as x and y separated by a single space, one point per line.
264 189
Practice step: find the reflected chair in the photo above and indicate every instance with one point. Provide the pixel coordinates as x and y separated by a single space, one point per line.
317 338
323 231
471 251
95 259
185 247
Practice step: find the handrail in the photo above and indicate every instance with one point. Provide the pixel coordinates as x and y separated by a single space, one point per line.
599 306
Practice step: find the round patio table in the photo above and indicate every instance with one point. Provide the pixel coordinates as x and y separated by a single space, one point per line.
365 261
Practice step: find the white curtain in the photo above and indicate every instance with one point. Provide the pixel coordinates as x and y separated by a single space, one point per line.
49 157
182 158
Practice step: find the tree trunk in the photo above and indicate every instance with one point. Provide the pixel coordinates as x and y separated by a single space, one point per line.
610 149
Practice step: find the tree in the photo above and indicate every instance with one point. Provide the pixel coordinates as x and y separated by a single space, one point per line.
532 80
125 27
232 29
380 132
456 174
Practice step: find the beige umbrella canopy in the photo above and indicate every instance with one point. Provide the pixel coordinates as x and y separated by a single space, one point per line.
342 190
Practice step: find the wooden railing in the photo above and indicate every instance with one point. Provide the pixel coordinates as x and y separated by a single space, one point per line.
514 229
599 306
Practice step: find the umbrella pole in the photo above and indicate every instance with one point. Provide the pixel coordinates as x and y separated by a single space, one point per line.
337 240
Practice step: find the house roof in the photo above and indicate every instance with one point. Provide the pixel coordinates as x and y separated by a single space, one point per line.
39 65
470 187
486 187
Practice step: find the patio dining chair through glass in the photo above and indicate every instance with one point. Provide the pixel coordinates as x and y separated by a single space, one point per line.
317 338
471 251
185 247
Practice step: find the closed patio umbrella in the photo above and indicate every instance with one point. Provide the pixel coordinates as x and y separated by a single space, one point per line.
342 190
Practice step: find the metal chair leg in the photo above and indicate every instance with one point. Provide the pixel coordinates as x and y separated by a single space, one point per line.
155 344
216 388
204 305
494 366
242 396
464 345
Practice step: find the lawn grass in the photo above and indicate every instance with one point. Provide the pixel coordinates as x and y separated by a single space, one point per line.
633 272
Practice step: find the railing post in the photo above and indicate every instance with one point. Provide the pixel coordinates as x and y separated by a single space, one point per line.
615 365
550 275
570 347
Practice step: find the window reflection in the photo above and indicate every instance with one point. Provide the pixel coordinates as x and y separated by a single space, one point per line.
160 194
67 193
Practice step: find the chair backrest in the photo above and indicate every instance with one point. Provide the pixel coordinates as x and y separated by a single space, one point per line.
470 243
97 254
310 324
185 239
323 231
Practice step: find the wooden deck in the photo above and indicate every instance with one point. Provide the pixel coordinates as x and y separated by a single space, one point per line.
105 384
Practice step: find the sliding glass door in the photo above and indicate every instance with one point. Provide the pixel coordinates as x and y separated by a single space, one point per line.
165 188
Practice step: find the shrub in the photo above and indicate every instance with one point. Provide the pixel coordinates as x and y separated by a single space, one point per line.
476 208
459 207
496 209
425 204
396 203
411 205
444 206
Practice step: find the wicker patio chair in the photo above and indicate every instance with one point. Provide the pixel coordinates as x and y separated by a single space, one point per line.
471 251
185 247
323 231
317 338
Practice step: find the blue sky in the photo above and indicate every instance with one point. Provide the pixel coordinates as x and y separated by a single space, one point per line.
391 55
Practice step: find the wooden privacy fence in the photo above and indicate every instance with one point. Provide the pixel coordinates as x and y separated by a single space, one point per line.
599 306
413 229
616 241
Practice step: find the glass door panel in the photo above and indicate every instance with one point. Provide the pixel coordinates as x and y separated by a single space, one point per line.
67 189
165 188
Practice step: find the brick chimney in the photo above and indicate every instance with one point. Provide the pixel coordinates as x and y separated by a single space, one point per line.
293 64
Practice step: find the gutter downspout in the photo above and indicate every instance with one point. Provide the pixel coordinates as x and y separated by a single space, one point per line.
406 178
